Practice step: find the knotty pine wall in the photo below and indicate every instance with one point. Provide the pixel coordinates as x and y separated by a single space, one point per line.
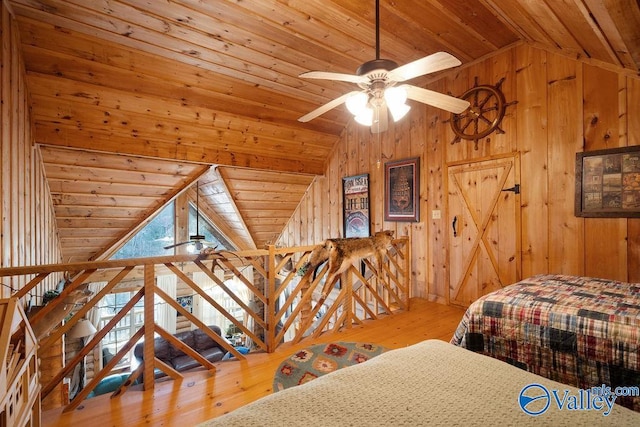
28 232
563 106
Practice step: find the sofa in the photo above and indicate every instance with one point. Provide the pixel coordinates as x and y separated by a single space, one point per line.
197 339
109 384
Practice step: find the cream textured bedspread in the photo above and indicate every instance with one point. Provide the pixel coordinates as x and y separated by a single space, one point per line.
429 383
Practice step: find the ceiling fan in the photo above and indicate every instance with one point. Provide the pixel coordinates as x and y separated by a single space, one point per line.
198 240
380 93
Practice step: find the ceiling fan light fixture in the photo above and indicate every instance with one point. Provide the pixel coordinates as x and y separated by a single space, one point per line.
365 117
377 79
398 111
357 103
395 96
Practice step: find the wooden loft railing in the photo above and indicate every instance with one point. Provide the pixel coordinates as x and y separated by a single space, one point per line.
292 306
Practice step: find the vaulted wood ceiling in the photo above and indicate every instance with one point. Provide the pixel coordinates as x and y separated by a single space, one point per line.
133 99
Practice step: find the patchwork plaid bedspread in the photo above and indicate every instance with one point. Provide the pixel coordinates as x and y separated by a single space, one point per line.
576 330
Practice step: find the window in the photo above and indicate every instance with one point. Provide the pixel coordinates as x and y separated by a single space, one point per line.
126 327
203 226
151 240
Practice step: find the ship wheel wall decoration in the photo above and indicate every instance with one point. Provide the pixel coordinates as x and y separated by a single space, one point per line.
483 116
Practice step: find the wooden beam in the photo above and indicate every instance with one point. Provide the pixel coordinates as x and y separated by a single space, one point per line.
49 133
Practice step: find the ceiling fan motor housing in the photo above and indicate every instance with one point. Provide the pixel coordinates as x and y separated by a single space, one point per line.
196 237
376 64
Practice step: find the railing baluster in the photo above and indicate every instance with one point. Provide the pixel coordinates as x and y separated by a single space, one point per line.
384 287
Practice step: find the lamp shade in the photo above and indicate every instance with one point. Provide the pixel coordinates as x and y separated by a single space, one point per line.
399 111
365 117
82 329
357 103
396 95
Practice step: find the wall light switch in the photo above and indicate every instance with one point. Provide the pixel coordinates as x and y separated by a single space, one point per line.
435 214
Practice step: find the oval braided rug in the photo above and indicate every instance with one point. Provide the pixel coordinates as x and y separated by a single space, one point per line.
307 364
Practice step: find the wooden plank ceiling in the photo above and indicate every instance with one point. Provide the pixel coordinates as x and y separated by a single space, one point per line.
164 88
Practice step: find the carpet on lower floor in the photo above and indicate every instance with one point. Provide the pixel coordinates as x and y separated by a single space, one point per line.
307 364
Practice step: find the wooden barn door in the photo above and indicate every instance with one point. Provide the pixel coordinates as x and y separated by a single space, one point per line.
484 227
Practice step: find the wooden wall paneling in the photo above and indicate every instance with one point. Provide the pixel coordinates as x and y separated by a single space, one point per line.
532 137
303 232
316 194
564 98
365 149
633 138
418 233
605 238
351 149
17 168
376 179
633 118
28 232
309 221
5 140
334 178
305 219
23 162
499 143
439 136
387 154
504 68
400 134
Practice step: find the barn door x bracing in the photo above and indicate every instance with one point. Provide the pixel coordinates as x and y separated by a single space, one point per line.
484 227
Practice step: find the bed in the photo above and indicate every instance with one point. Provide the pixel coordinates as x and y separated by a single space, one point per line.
576 330
429 383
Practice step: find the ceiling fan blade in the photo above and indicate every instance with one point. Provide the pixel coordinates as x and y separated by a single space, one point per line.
380 118
324 75
429 64
326 107
177 244
436 99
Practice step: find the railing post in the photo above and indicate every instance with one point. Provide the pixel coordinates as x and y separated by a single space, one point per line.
149 321
408 275
270 308
346 279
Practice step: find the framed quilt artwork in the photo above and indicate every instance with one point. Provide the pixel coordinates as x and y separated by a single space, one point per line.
608 183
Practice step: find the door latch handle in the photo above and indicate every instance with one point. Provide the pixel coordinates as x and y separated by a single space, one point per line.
515 189
453 224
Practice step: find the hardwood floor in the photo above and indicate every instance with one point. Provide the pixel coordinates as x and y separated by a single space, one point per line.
201 396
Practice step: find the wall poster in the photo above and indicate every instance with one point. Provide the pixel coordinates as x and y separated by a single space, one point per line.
355 190
401 183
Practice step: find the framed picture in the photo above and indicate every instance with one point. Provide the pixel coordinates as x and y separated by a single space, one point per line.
402 182
186 302
355 191
608 183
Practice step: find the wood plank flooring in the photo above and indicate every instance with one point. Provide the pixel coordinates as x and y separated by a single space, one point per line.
201 396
